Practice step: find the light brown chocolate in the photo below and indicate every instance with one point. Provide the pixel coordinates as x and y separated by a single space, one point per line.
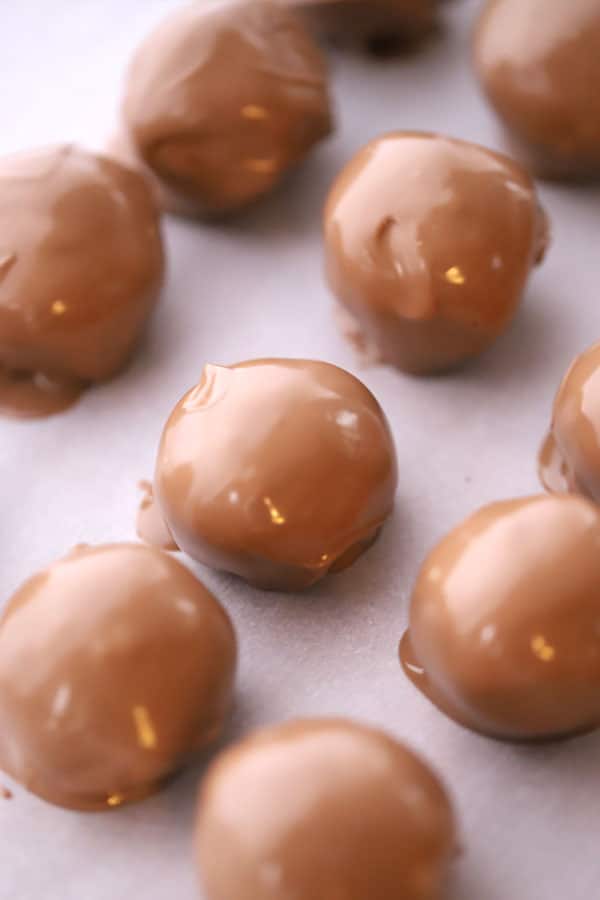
223 99
378 26
150 524
116 665
538 62
504 616
428 245
323 808
81 266
277 470
569 459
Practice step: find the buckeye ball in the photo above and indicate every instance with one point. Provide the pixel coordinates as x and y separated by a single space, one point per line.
429 242
569 459
539 65
116 666
323 808
278 470
222 100
81 267
503 633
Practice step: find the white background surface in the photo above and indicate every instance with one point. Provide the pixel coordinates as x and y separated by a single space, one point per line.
530 815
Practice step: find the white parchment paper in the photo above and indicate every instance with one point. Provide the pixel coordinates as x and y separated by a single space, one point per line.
530 815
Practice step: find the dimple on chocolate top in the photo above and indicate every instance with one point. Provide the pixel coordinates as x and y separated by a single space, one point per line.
428 243
116 664
539 64
81 265
504 616
277 470
223 98
570 456
322 808
376 25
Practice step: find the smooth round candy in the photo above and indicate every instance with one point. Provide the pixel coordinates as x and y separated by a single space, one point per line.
504 617
277 470
322 808
116 666
429 242
222 100
539 64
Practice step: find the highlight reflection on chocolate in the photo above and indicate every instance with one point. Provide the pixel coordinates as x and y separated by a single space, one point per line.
223 99
330 808
116 665
81 266
379 26
569 459
429 242
539 65
277 470
503 632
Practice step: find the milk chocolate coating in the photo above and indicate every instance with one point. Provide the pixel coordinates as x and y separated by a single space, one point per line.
504 619
570 456
222 100
277 470
539 65
428 245
323 809
116 665
81 266
380 26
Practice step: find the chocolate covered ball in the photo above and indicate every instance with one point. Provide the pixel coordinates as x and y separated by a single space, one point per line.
539 64
81 266
569 459
504 617
277 470
379 26
116 665
223 99
323 808
428 245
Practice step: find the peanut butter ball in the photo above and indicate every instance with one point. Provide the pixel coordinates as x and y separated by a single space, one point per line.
569 459
323 808
223 99
429 242
539 65
504 617
278 470
81 267
116 666
378 26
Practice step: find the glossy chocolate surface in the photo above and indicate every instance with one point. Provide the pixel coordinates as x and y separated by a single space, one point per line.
429 242
116 665
570 456
222 99
322 808
504 620
277 470
539 65
81 265
379 26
